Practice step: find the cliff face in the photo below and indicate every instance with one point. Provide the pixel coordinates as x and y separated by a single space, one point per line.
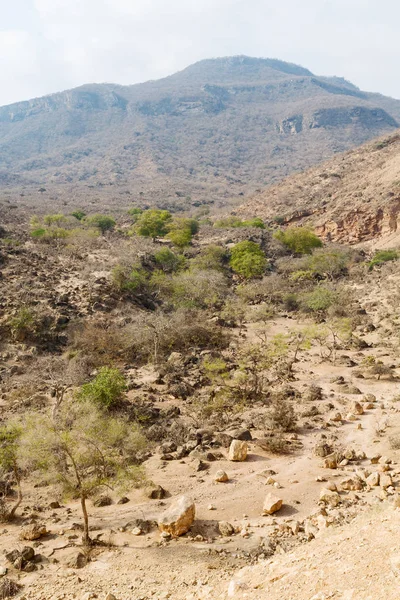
217 130
352 198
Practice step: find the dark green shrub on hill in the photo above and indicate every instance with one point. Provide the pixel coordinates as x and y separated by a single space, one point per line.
382 256
248 260
299 240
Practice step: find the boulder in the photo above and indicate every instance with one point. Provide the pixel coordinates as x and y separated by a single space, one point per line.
102 501
336 417
272 504
330 461
385 480
373 479
33 532
238 451
221 477
329 497
322 449
351 484
225 528
178 518
243 435
356 408
156 492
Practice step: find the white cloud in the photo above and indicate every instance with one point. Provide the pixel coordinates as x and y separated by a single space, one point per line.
72 42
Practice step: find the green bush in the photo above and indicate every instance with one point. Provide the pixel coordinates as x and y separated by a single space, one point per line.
130 279
40 232
211 257
329 263
153 223
248 260
105 389
54 220
181 230
382 256
180 237
135 213
299 240
199 289
78 214
102 222
168 261
319 300
236 222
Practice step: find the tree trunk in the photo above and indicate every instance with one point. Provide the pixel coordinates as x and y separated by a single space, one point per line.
85 538
18 502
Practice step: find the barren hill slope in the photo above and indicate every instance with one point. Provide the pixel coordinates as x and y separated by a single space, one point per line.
219 129
354 197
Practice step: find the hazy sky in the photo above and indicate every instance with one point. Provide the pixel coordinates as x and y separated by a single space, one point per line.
51 45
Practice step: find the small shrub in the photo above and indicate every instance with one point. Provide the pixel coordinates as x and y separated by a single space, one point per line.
381 257
8 588
394 441
153 223
199 289
135 213
281 415
248 260
299 240
319 300
275 443
105 389
211 257
232 221
78 214
102 222
168 261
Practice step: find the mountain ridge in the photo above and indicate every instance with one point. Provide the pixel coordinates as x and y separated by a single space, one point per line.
211 133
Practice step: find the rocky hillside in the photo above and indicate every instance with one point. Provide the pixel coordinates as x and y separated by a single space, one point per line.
354 197
211 133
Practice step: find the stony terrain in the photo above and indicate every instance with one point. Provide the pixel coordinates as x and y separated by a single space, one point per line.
351 198
208 135
337 480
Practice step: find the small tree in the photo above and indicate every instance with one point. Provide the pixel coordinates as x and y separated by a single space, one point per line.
299 240
78 214
84 451
105 389
168 261
248 260
102 222
9 443
153 223
212 257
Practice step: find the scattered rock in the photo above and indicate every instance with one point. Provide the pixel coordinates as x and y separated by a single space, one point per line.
102 501
272 504
351 484
225 528
33 532
330 461
243 435
178 518
322 449
238 451
221 477
373 479
356 408
156 492
123 500
385 480
329 497
77 561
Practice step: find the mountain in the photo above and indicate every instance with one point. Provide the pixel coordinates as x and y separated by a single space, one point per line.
353 197
213 132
